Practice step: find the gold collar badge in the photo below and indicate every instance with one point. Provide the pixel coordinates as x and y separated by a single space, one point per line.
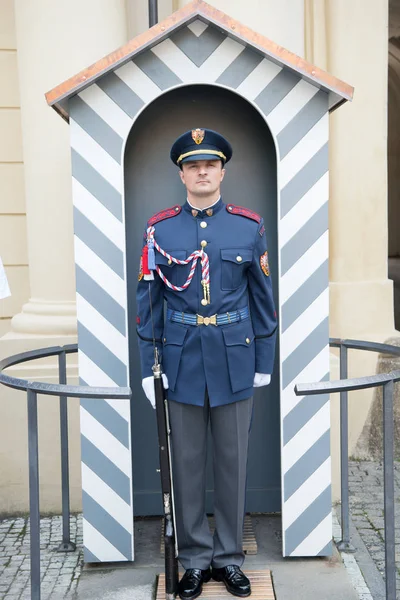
198 135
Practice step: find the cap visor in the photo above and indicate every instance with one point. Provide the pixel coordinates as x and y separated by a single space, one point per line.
194 157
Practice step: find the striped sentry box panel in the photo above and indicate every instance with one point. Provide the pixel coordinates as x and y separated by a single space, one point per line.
101 117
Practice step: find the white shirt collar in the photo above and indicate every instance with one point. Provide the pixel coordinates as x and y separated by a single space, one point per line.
206 207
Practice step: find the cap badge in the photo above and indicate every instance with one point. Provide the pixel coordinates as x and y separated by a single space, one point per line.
198 135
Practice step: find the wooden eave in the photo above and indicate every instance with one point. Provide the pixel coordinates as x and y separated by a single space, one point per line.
338 90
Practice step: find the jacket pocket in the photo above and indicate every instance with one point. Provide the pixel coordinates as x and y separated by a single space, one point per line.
234 263
173 341
176 274
240 353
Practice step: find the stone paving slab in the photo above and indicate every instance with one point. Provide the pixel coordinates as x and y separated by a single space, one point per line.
367 510
60 571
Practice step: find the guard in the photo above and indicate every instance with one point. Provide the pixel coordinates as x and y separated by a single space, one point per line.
207 261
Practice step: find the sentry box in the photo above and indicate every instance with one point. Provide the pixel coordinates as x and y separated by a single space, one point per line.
200 68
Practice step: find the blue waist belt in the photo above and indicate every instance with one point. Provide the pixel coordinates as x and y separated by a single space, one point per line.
222 319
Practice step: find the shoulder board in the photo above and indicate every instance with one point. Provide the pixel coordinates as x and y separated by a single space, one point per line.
244 212
167 213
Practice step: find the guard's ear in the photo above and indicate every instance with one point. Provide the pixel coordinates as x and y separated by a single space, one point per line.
181 175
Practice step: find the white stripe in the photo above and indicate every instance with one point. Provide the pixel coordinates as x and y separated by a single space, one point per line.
302 152
219 60
98 214
305 324
107 109
314 371
197 27
102 329
177 61
317 540
304 267
291 104
306 437
138 81
95 155
101 493
101 273
94 376
98 545
307 493
105 442
258 79
305 208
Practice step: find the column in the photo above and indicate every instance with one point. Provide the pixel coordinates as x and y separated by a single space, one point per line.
54 42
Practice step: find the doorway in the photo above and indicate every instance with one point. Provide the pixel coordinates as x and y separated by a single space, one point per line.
151 184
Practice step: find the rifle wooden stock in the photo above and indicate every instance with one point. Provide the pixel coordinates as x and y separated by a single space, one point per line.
171 561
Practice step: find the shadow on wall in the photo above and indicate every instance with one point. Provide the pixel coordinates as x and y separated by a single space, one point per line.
370 443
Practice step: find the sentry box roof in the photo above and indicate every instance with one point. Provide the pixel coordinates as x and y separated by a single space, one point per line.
196 13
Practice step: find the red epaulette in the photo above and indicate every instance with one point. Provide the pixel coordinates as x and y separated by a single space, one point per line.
244 212
167 213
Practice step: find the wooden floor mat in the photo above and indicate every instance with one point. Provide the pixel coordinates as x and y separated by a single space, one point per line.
249 538
261 587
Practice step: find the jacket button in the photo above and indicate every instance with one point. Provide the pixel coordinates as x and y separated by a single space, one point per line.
203 243
203 224
165 339
239 258
247 341
169 261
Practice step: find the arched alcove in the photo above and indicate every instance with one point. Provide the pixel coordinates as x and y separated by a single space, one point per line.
394 172
152 183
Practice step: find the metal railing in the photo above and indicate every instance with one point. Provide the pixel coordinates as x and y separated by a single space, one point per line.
63 391
343 386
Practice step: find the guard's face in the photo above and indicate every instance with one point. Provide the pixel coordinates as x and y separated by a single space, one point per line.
202 177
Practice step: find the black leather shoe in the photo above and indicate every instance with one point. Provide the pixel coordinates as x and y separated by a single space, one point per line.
191 584
234 579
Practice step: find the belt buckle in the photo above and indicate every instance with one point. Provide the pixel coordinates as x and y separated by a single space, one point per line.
206 320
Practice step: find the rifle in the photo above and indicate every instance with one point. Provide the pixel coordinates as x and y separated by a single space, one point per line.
170 543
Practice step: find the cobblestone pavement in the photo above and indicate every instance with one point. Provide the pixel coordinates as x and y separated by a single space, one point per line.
59 570
366 506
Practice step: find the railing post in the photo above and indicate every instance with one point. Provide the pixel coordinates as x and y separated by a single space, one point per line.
66 544
34 513
388 467
344 544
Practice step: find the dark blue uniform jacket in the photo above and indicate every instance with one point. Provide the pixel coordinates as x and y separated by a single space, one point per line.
222 359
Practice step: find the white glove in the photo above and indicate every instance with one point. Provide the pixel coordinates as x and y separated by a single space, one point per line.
261 379
148 388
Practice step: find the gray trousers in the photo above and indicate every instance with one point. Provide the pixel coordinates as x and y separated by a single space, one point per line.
230 426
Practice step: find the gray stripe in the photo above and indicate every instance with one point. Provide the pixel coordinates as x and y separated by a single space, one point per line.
120 93
305 295
101 356
96 185
308 521
105 469
276 90
294 249
98 297
198 49
158 71
302 413
327 551
305 353
107 416
304 180
301 124
307 465
99 243
101 520
240 68
94 126
89 557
